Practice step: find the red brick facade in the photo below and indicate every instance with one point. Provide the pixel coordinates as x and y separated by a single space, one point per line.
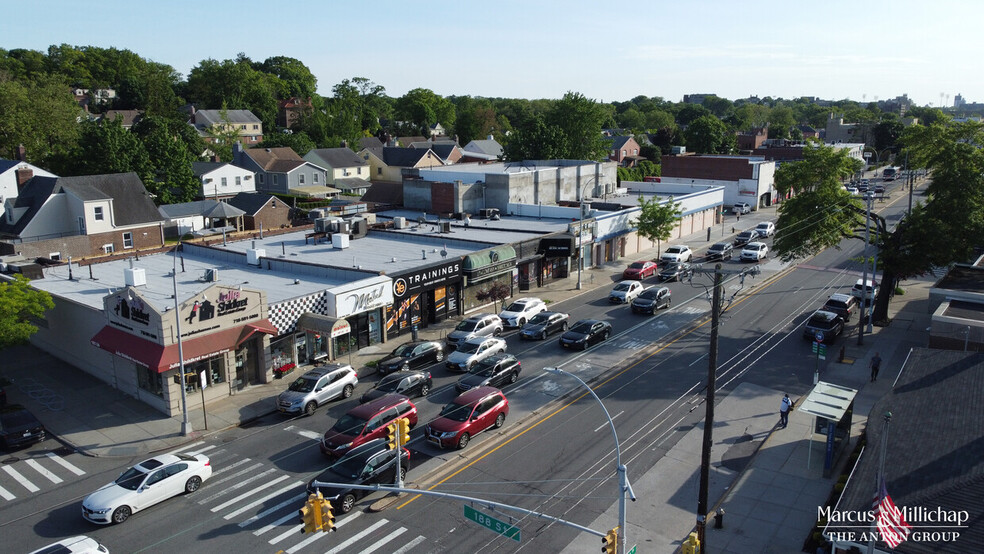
83 246
273 215
707 167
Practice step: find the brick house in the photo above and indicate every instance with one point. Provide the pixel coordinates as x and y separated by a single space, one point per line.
261 209
624 151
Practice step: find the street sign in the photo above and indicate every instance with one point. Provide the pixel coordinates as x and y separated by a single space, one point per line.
492 524
633 549
819 336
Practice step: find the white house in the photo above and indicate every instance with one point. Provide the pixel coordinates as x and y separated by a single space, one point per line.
13 175
223 180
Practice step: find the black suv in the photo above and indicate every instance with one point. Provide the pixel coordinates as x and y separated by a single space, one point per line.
651 299
843 305
822 321
366 464
720 251
413 355
497 371
674 271
745 237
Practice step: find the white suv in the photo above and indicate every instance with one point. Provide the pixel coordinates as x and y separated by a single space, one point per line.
766 229
473 351
742 208
317 387
520 311
677 253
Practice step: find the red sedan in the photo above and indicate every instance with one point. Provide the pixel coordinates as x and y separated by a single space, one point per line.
640 270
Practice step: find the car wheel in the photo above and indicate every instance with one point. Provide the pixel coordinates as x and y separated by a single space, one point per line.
310 407
499 420
403 473
347 391
469 366
605 336
521 322
463 441
348 502
543 335
497 332
439 357
513 377
424 390
564 328
690 258
121 514
193 484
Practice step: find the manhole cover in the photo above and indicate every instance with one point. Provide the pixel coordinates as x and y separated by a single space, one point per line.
10 460
740 453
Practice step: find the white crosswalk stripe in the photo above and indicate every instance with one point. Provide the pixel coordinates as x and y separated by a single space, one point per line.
410 545
238 485
305 433
64 463
276 524
354 538
21 479
272 509
247 494
296 530
226 468
232 476
186 447
37 467
6 494
382 542
259 501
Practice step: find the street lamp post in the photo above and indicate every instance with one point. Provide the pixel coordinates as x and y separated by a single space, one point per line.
580 231
185 424
864 272
623 478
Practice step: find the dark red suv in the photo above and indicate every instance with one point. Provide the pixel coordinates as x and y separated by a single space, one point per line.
366 422
469 414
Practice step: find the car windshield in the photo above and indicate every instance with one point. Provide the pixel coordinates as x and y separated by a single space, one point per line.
466 325
456 412
302 384
718 246
404 351
674 250
469 347
637 265
389 384
540 318
348 467
622 287
582 328
516 307
649 294
349 424
131 478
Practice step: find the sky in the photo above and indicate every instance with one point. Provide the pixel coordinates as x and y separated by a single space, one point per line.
863 51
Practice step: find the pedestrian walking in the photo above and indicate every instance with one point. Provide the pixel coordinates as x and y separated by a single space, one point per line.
875 366
785 405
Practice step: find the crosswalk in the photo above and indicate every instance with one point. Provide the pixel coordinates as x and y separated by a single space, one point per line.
25 477
264 501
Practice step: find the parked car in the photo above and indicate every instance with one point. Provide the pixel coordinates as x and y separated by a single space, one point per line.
407 383
585 333
843 305
754 251
517 313
544 324
765 229
478 325
19 427
742 208
720 251
466 416
73 545
744 237
674 271
879 189
316 387
822 321
872 291
624 292
640 270
145 484
851 189
367 464
677 253
473 351
412 355
495 371
651 299
366 422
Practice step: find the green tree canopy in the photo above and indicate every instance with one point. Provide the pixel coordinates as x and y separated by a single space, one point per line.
580 121
708 135
20 305
423 108
657 219
40 114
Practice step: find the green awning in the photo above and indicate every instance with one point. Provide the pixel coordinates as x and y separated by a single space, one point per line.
492 256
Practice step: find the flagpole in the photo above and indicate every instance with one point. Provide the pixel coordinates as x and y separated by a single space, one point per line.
879 479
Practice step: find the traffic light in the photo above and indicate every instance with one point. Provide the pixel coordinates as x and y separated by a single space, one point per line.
691 545
327 517
609 543
404 425
310 514
392 430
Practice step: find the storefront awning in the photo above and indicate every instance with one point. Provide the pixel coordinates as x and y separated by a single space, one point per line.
130 347
258 326
333 327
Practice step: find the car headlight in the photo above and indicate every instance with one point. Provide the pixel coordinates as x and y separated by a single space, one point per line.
448 434
103 511
344 446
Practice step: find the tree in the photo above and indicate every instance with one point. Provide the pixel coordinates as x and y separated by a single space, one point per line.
424 108
298 142
294 78
171 154
106 147
657 219
237 85
536 141
580 120
42 115
780 122
496 291
707 135
20 304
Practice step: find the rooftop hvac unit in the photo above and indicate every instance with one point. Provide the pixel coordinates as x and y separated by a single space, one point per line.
360 227
340 240
445 226
399 223
211 275
135 277
253 255
317 213
322 225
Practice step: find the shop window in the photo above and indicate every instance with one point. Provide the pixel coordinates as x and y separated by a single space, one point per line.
214 369
150 380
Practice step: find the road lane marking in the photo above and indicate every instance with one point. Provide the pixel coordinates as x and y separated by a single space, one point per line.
6 494
353 539
248 493
186 447
64 463
410 545
261 500
37 467
603 425
277 523
242 483
236 474
272 509
21 479
702 356
305 433
296 530
382 542
230 466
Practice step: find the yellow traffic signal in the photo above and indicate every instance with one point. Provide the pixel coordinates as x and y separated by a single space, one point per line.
327 517
404 425
391 435
311 514
609 543
691 545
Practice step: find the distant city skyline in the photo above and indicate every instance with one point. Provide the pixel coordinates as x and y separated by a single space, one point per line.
843 50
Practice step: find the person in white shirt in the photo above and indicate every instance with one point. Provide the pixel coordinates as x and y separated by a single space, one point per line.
785 405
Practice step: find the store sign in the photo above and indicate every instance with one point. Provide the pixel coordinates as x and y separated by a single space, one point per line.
491 269
585 228
361 296
128 310
341 327
426 278
557 247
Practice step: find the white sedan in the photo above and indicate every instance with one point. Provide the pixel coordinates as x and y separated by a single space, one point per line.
146 484
473 351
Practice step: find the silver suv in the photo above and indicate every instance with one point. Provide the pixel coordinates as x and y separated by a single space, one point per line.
478 325
317 387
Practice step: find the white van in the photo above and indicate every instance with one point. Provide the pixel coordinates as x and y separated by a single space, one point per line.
872 291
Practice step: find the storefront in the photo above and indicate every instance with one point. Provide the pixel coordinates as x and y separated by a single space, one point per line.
583 234
424 295
224 339
557 252
355 312
483 269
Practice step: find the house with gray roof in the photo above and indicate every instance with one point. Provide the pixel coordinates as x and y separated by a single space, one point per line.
282 170
13 175
261 211
388 163
90 215
487 149
347 171
200 215
222 180
247 126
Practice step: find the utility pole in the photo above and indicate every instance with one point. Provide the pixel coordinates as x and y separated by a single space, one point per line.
864 273
705 452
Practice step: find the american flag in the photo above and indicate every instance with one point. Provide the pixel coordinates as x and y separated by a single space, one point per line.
891 524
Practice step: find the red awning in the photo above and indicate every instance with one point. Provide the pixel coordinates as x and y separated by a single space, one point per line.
258 326
131 347
200 348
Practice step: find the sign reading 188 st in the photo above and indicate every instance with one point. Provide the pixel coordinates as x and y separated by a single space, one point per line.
492 524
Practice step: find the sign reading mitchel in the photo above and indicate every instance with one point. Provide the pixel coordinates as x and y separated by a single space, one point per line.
360 296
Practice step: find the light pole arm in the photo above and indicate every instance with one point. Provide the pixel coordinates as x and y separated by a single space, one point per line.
611 423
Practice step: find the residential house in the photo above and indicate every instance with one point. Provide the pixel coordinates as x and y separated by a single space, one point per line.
347 171
624 151
808 131
388 163
437 130
223 180
485 150
13 175
262 211
247 126
291 110
200 215
282 170
370 142
753 139
57 217
447 150
128 118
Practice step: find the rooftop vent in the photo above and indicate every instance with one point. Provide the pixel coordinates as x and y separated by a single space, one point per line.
135 276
